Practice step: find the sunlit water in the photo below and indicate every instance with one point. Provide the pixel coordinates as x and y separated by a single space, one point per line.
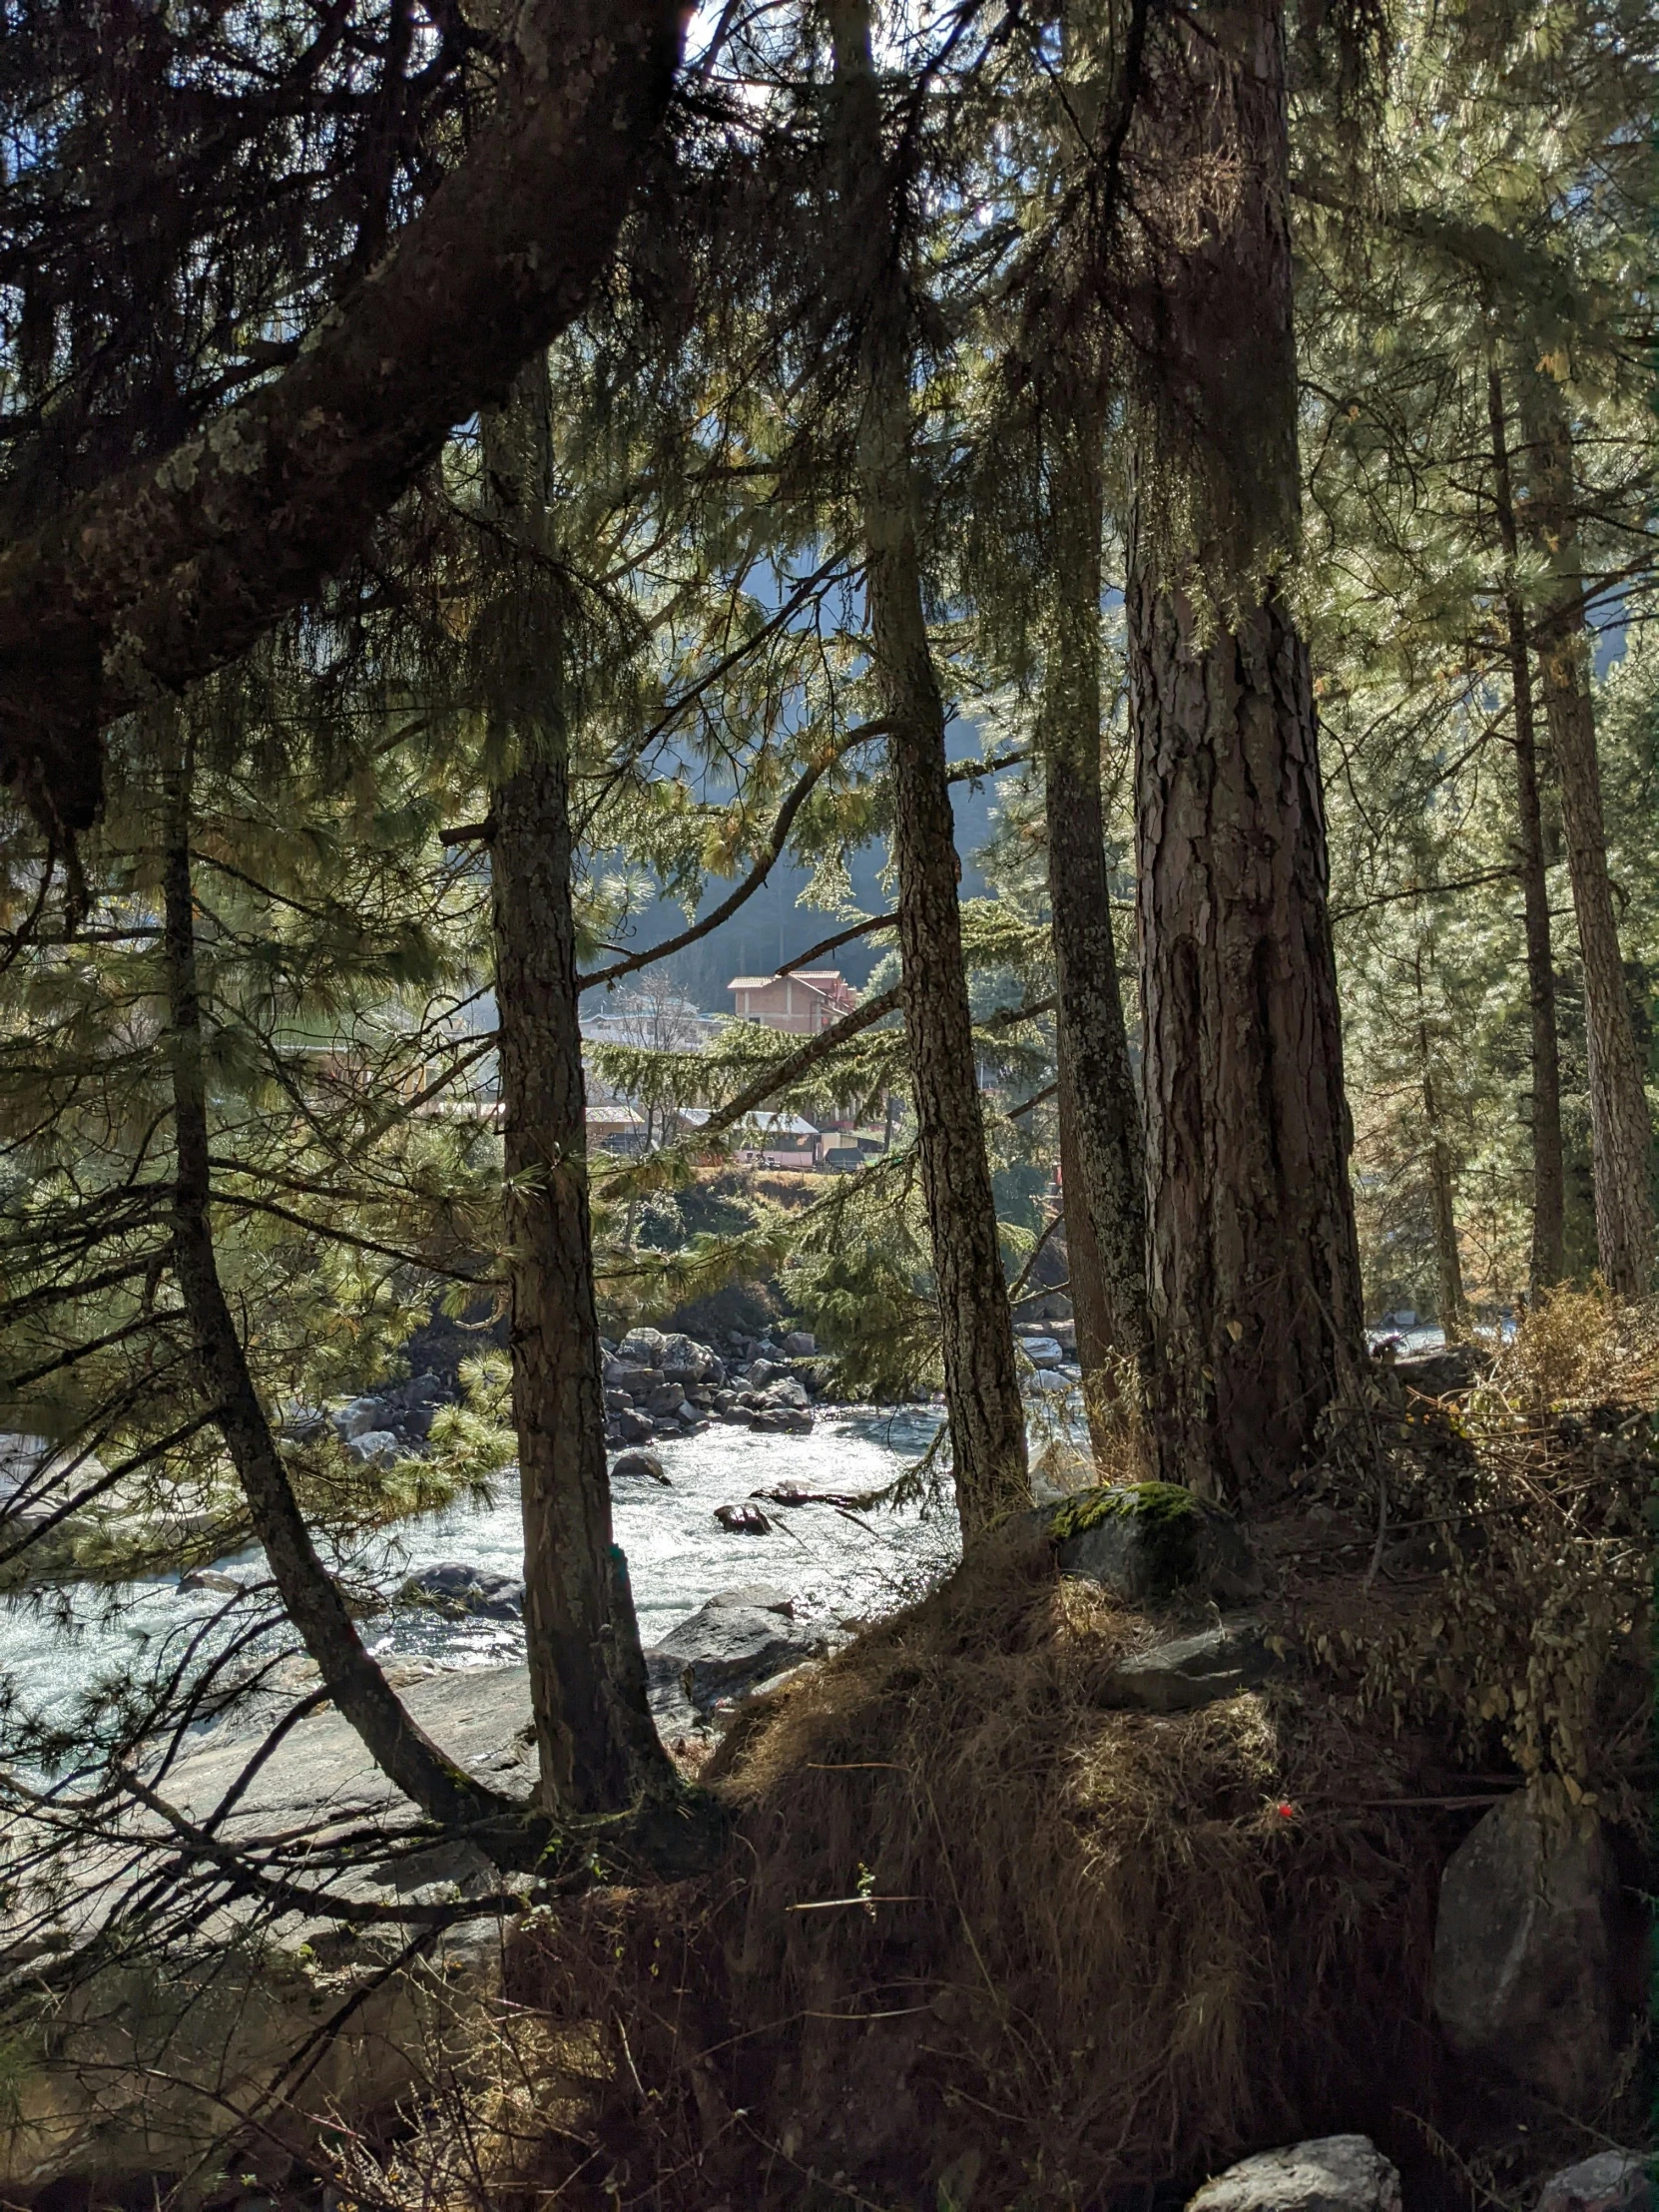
837 1566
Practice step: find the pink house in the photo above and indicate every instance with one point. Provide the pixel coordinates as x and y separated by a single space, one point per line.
803 1003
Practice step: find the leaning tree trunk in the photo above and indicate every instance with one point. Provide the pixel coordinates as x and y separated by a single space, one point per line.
1549 1173
1621 1133
598 1749
1254 1263
399 1747
981 1383
1102 1161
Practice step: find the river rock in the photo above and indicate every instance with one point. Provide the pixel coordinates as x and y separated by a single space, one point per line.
731 1644
789 1389
374 1447
801 1344
682 1359
743 1519
1043 1351
1611 2182
356 1420
459 1590
1521 1981
209 1578
642 1348
1047 1381
1148 1541
1334 2173
665 1399
647 1463
1189 1671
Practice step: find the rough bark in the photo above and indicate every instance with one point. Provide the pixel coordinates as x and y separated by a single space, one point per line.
313 1602
598 1748
1621 1133
599 1751
1103 1169
981 1383
1252 1259
175 568
1549 1174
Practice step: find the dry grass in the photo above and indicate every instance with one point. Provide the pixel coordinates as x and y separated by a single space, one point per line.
1096 1949
1051 1951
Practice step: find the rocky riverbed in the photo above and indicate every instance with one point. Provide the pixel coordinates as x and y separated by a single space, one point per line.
835 1561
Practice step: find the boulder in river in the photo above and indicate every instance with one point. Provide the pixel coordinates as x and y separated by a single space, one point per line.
743 1519
646 1463
460 1590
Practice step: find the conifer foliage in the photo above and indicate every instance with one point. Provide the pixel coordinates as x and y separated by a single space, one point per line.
477 482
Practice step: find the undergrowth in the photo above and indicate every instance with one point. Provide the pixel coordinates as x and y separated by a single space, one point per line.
984 1941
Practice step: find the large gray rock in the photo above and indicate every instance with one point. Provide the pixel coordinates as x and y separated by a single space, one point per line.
374 1448
1334 2173
1151 1541
1521 1981
1611 2182
1189 1671
730 1645
356 1420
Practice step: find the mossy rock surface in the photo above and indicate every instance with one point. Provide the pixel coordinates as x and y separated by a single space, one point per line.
1153 1540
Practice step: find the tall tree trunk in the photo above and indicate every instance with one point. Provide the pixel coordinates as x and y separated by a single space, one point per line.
1254 1261
1102 1160
1448 1263
399 1747
981 1383
598 1748
1621 1133
1549 1171
599 1751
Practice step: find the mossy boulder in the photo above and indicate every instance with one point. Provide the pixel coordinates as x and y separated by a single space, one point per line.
1147 1541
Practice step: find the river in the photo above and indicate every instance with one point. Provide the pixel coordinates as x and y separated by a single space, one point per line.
56 1646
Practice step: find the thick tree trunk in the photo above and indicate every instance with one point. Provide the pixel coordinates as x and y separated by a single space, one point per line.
402 1750
176 567
1253 1262
1102 1160
1549 1171
598 1750
981 1383
1621 1133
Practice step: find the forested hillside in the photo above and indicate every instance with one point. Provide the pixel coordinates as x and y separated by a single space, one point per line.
1126 531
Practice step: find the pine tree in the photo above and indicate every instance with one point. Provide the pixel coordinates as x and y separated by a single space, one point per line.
1254 1266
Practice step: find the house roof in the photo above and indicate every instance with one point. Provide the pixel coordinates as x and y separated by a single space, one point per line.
815 979
771 1125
